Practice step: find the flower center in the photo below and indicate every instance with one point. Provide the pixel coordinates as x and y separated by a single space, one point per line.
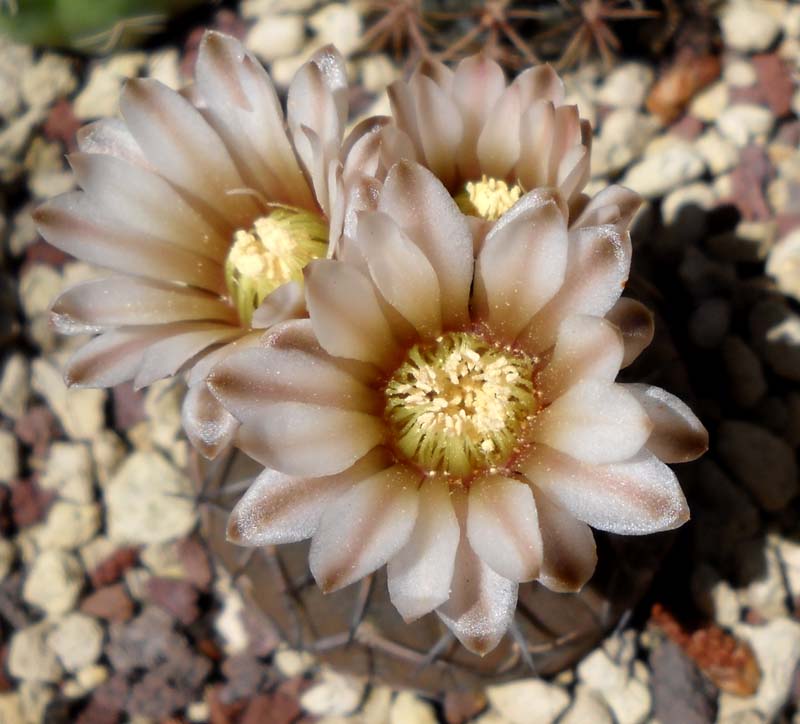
488 198
459 405
273 252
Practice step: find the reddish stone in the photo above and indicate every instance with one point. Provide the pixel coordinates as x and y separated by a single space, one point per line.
6 517
787 223
111 603
96 713
775 82
178 598
750 95
788 134
749 180
275 708
40 252
62 124
687 128
209 648
5 684
36 428
461 706
195 562
113 567
221 711
128 408
29 503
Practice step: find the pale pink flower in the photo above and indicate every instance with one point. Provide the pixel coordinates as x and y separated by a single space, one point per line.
456 416
207 212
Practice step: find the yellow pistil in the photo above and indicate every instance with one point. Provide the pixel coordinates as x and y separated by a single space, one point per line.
488 198
459 405
273 252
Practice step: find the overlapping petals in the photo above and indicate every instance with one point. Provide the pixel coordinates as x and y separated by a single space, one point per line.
164 189
310 398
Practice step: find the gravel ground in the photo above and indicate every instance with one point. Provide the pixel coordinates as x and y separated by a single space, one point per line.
110 607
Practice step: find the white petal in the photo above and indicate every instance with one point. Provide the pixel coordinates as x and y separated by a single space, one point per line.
301 439
111 136
594 421
598 264
570 555
243 105
520 267
477 85
482 603
421 573
317 102
614 205
499 142
540 83
166 357
178 141
118 301
427 214
77 225
286 302
345 313
145 202
678 436
113 357
634 497
537 129
251 380
439 126
402 273
278 508
363 528
503 528
208 425
586 348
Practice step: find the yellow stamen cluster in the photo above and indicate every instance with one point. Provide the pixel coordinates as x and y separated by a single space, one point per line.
273 252
488 198
459 405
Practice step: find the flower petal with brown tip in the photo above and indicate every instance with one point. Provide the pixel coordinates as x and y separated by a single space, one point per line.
482 603
636 323
181 144
402 273
678 435
248 382
634 497
283 438
114 357
167 356
519 269
138 199
595 421
208 425
123 300
421 573
345 313
245 110
278 508
75 224
503 527
570 555
424 210
586 348
365 527
598 264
